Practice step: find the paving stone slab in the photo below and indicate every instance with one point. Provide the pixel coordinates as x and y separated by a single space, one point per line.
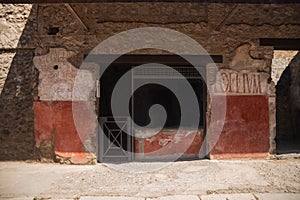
16 198
278 196
228 197
176 197
111 198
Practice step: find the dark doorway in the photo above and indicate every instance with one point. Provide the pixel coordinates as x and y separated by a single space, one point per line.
288 109
115 145
151 94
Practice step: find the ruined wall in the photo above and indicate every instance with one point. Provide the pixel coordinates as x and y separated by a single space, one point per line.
280 61
65 119
226 29
18 81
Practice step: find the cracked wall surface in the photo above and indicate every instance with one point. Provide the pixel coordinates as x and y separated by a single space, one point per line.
30 32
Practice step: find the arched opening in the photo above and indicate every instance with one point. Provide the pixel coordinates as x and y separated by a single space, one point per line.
285 74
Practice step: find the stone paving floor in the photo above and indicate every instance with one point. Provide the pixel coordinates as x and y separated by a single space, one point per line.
248 196
200 179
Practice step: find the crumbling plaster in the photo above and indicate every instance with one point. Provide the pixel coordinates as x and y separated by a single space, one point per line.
226 29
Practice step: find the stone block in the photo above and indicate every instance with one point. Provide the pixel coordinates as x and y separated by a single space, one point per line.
277 196
111 198
228 197
176 197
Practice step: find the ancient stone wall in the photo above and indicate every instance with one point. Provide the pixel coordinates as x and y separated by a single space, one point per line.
232 31
280 61
18 81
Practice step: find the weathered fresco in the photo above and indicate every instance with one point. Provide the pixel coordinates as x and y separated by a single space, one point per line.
43 46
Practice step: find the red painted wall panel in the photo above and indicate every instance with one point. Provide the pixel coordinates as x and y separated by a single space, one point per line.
163 144
43 122
245 132
54 121
246 127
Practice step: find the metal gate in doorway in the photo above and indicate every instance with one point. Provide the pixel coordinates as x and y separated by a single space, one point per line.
115 143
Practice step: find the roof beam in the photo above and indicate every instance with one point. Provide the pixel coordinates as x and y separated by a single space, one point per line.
281 43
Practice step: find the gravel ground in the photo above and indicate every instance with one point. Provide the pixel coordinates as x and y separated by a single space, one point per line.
21 179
